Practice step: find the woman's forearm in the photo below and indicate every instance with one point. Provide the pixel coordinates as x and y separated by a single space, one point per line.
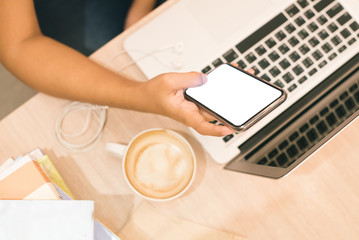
53 68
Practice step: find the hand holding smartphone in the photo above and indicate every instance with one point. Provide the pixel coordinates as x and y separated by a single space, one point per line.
236 98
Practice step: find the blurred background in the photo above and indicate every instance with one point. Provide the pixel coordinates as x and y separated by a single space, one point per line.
13 92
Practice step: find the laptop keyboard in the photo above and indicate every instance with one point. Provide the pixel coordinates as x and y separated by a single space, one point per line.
296 44
318 125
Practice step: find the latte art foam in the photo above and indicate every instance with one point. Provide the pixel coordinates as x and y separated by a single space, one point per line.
159 164
160 167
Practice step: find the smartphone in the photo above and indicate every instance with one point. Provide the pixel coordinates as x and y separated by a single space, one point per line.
235 97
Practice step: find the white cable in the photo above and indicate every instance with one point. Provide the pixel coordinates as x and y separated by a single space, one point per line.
98 112
178 48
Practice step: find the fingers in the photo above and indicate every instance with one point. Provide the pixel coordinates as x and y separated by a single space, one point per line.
187 80
199 122
206 128
251 71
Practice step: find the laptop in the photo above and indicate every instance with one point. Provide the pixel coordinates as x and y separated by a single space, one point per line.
307 47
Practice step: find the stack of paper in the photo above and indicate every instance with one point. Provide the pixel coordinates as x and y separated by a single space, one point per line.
26 180
46 219
31 206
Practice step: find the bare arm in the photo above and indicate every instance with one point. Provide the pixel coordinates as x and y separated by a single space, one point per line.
48 66
51 67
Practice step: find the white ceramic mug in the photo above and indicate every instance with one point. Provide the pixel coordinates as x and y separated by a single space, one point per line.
158 164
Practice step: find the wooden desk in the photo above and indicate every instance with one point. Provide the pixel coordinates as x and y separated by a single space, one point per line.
318 200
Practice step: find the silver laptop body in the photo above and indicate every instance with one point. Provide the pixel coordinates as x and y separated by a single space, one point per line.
308 47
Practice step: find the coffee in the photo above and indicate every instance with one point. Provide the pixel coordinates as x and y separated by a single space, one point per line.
159 164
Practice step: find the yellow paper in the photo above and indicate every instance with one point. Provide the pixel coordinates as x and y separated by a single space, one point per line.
53 174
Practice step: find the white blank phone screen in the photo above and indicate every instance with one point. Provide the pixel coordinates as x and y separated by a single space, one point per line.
234 95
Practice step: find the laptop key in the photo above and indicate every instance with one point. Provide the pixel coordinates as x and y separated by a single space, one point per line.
351 41
302 143
299 21
261 33
307 62
228 137
290 28
343 19
284 64
283 48
274 71
354 26
279 83
280 35
250 57
230 56
317 55
322 64
265 77
274 56
263 161
356 95
303 3
302 79
322 127
332 56
288 77
336 40
293 136
292 151
344 95
327 47
349 103
335 10
293 41
323 34
292 87
272 164
322 4
322 20
309 14
312 27
331 119
242 64
298 70
294 56
313 41
270 42
260 50
256 70
304 49
283 144
273 153
345 33
217 62
340 111
334 103
312 135
304 128
342 48
324 111
314 119
353 87
282 159
206 69
303 34
292 10
332 27
263 63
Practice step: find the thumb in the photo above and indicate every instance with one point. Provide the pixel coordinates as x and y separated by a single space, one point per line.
190 79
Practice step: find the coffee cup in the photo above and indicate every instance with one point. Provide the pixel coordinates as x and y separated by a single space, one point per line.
158 164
